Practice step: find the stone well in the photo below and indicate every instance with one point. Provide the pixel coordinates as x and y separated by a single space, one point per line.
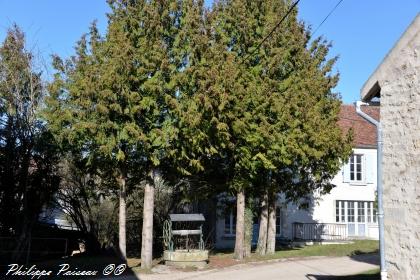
186 258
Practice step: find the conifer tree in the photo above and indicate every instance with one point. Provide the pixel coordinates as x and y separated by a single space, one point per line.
28 173
118 98
268 112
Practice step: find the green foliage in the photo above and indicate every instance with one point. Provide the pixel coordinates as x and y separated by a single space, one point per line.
172 84
119 97
270 113
28 155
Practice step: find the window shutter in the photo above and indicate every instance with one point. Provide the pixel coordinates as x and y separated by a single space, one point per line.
370 168
346 172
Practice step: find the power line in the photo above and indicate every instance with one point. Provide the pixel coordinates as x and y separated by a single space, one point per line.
272 31
281 21
332 11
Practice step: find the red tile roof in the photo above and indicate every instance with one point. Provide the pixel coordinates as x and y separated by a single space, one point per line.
364 133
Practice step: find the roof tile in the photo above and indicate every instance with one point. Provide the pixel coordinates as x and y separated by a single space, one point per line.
364 133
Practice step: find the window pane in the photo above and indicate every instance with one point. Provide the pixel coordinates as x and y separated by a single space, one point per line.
343 212
374 214
233 222
362 229
337 211
361 212
356 171
352 168
350 211
227 222
278 220
352 229
369 212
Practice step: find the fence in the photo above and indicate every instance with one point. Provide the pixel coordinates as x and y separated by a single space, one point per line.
319 231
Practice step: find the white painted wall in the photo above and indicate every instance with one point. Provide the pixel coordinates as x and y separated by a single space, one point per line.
322 210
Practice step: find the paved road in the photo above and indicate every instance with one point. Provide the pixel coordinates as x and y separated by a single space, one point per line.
317 268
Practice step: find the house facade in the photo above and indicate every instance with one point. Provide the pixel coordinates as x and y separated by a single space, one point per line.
396 84
347 212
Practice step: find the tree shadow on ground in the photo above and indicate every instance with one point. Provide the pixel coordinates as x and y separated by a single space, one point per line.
360 257
366 258
363 276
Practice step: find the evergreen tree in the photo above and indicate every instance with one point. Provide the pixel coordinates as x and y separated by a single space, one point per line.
28 174
267 112
116 100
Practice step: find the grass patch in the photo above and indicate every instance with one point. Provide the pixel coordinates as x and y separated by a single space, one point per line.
358 247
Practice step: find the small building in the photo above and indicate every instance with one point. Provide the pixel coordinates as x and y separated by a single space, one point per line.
347 212
396 83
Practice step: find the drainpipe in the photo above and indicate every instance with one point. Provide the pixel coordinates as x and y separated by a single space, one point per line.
359 111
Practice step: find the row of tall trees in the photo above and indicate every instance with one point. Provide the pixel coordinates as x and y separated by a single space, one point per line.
174 90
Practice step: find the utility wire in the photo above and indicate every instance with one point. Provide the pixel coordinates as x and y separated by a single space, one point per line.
325 19
272 31
281 21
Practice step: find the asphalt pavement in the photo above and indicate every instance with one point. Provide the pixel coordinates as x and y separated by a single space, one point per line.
312 268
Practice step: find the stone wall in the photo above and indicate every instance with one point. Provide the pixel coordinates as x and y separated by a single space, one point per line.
400 118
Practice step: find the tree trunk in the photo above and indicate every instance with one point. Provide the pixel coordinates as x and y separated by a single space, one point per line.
147 233
122 218
248 231
28 221
240 225
271 232
22 243
262 236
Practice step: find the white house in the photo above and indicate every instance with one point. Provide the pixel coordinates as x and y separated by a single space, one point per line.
347 212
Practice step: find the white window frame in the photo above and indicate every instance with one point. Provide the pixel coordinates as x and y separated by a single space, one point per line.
231 230
354 172
369 211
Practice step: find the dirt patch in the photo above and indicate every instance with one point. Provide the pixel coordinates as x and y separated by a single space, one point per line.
222 261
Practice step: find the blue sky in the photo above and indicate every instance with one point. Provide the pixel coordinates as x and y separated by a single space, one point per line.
361 31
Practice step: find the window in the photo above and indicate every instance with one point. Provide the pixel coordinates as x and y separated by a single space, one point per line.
360 212
350 211
278 221
337 211
356 174
340 211
230 221
374 214
355 211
